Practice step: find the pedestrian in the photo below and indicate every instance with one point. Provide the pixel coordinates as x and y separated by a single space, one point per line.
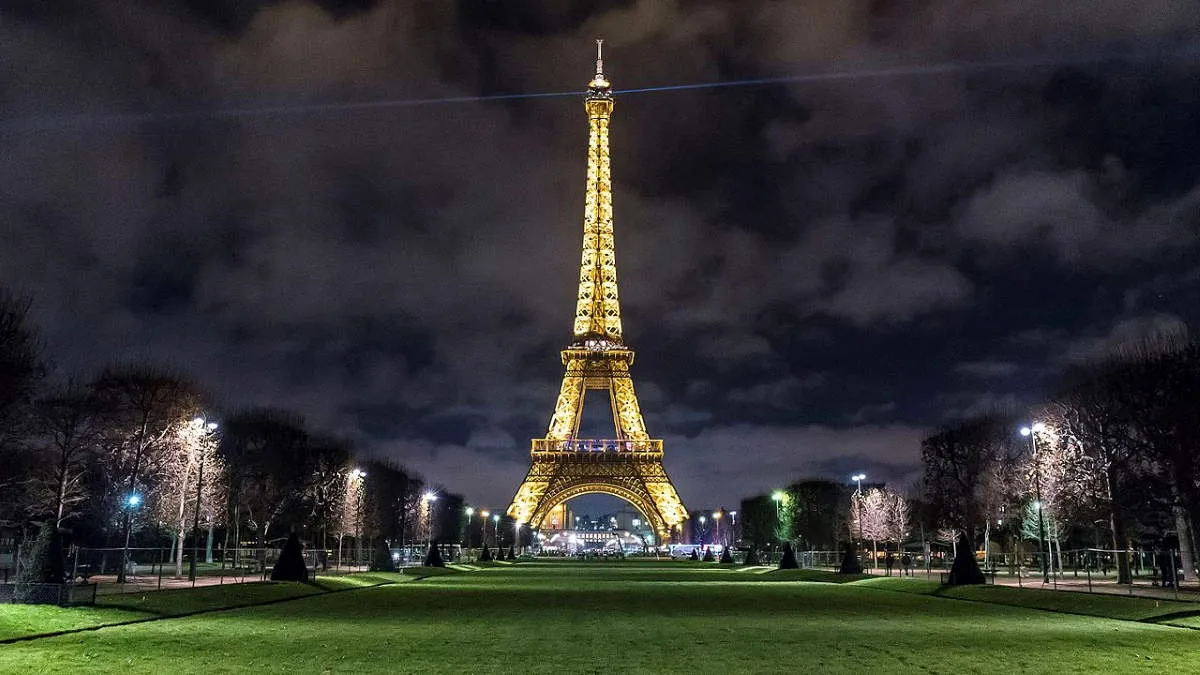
889 561
906 564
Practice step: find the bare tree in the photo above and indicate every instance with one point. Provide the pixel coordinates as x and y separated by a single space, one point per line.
67 426
21 372
141 408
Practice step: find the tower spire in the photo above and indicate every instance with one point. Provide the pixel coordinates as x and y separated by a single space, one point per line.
598 309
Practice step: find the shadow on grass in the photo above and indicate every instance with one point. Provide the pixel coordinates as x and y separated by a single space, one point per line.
177 603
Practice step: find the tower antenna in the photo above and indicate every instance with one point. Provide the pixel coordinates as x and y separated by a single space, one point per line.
599 59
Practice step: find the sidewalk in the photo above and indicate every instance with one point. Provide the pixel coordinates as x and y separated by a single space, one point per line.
1189 591
106 584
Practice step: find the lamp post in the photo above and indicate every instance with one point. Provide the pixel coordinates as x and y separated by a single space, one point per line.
483 518
132 501
703 520
516 535
429 498
858 478
207 429
1031 432
359 487
777 497
717 526
496 527
466 532
733 526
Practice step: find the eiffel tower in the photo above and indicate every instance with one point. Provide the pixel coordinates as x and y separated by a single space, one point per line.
629 465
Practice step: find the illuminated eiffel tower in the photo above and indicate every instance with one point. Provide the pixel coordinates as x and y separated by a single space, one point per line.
629 465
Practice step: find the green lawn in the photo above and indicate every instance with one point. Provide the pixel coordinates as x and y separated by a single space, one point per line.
606 617
22 620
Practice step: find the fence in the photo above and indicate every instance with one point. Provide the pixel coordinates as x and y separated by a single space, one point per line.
63 595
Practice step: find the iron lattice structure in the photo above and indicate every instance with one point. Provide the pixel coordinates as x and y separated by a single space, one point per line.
629 465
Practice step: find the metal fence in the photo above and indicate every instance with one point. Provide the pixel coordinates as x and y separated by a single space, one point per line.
63 595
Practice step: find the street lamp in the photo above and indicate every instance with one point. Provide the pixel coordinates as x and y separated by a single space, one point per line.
517 534
717 525
207 429
429 498
1031 433
132 501
858 478
483 518
702 521
496 526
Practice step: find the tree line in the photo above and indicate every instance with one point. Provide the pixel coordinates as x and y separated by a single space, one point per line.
1110 460
141 453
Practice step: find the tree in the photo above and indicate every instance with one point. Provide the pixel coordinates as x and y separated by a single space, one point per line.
42 563
967 468
266 452
871 517
21 372
819 512
67 426
141 408
727 556
327 484
189 461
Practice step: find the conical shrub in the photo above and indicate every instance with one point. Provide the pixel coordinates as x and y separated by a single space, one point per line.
434 557
290 566
965 569
751 557
382 560
486 555
850 564
708 556
512 554
693 555
788 561
727 556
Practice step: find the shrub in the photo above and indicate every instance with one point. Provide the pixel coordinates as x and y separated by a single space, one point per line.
726 557
486 555
693 555
290 566
850 563
751 557
434 557
965 569
382 560
512 555
788 561
708 556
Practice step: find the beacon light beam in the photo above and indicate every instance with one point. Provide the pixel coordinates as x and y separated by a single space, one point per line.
1190 54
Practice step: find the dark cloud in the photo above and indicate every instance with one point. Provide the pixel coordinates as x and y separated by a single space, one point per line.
812 273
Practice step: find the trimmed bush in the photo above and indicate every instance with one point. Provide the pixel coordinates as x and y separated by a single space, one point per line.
751 557
486 555
290 566
788 561
512 555
693 555
382 560
708 556
434 557
850 564
726 557
965 569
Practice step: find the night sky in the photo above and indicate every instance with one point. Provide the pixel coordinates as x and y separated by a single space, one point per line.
812 274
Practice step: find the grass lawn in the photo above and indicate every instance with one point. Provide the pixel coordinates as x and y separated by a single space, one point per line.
606 617
22 620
